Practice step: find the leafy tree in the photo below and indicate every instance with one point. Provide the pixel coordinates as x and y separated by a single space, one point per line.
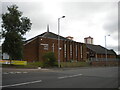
14 27
49 59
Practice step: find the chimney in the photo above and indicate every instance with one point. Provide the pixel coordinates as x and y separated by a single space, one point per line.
69 37
88 40
47 27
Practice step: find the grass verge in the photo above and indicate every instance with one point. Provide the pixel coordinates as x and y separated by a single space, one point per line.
75 64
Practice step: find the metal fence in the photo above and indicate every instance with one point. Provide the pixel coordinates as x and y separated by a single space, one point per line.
104 59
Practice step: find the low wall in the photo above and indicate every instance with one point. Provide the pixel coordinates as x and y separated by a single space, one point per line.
87 64
74 64
104 63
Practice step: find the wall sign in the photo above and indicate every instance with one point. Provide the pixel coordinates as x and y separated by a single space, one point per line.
45 46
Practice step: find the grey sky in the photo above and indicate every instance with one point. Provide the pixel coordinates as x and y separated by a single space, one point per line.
83 19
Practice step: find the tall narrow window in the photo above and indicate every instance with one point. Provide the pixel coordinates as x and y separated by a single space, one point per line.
65 50
81 51
71 51
53 47
76 51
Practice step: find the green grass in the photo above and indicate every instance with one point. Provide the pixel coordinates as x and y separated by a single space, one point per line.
40 64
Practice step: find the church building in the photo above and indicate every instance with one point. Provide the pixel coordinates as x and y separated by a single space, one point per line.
70 50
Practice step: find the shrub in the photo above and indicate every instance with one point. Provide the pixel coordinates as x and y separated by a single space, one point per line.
49 59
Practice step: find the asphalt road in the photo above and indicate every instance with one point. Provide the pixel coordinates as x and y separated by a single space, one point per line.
99 77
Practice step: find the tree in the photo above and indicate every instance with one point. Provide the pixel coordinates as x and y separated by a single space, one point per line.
14 27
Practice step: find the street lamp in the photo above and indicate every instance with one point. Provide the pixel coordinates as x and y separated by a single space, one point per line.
59 40
1 45
106 50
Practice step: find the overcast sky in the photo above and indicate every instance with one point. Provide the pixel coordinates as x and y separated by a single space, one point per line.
94 18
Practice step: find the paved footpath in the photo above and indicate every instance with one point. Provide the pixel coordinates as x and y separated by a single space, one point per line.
15 70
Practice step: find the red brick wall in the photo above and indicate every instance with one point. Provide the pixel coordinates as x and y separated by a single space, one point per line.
99 55
104 56
50 42
84 52
68 51
30 51
34 51
79 51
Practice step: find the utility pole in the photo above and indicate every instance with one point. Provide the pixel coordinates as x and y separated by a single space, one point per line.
106 51
59 40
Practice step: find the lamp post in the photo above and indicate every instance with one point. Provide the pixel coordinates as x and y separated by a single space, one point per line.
59 40
0 45
106 50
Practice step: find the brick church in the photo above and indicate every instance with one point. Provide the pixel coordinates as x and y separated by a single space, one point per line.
70 50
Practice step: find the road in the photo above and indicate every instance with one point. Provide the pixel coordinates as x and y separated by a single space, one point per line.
94 77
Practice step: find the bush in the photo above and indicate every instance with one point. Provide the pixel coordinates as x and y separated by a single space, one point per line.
49 59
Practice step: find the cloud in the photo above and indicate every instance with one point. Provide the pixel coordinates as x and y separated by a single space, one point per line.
111 22
116 48
111 26
83 19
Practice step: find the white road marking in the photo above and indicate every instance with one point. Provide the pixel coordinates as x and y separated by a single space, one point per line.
44 69
14 72
18 72
5 73
25 72
62 77
69 76
11 72
22 83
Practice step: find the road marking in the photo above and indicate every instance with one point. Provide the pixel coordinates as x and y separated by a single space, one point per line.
25 72
14 72
62 77
11 72
18 72
44 69
69 76
21 84
5 73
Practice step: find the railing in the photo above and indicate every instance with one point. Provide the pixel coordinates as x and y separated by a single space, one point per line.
104 59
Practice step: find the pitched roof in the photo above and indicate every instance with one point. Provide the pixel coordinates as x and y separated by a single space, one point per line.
99 49
52 35
88 37
48 35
